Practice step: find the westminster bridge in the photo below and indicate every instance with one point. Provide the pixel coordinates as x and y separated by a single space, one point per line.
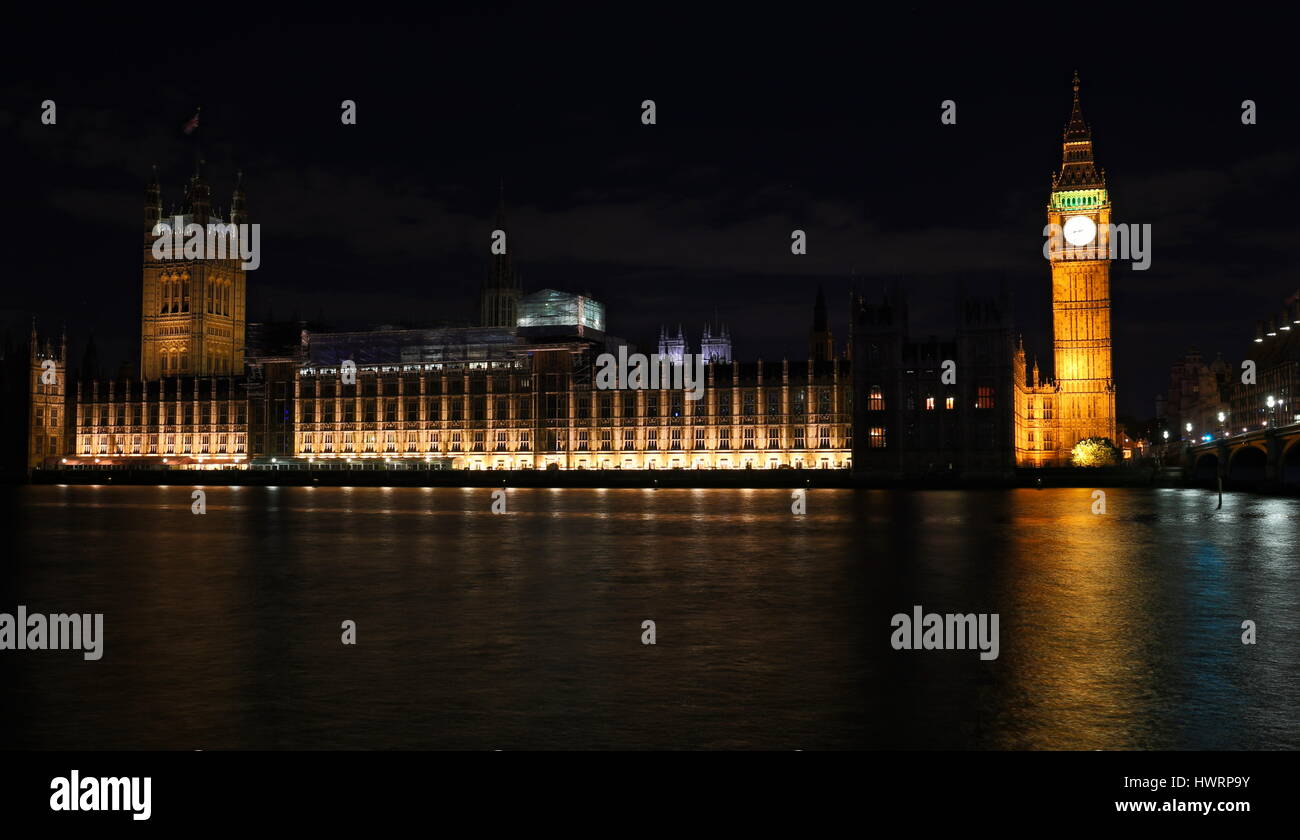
1267 456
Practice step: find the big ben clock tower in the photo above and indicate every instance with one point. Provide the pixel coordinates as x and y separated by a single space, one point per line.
1080 258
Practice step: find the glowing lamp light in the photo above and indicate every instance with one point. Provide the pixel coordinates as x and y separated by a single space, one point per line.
1189 427
1221 417
1165 433
1270 401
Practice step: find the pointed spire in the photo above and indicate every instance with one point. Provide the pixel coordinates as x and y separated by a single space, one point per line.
819 310
238 205
1076 129
1078 168
152 204
198 198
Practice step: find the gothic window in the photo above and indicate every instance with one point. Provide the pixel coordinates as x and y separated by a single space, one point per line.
876 400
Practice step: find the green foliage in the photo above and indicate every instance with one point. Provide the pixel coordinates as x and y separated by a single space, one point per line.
1094 452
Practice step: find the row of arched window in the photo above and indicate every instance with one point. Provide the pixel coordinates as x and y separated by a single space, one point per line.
174 361
174 295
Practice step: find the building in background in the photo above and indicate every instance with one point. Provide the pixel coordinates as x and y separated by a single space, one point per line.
1273 399
1199 396
33 388
933 407
672 347
715 344
517 392
552 314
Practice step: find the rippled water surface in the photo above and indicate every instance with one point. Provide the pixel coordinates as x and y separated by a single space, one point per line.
523 630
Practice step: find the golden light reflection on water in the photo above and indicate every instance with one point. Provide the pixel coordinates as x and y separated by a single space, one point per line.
1118 630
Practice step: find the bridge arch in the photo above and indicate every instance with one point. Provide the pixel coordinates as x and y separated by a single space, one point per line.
1289 469
1206 468
1248 464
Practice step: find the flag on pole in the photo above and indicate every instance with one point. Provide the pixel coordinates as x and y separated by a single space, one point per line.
192 124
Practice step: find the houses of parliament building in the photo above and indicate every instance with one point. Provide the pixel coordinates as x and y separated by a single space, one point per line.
515 392
518 390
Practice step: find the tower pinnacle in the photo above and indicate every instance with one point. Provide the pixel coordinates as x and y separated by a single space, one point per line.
1078 167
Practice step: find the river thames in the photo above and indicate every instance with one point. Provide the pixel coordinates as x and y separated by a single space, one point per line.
523 630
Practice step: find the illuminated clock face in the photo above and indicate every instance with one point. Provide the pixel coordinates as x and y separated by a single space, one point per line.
1080 230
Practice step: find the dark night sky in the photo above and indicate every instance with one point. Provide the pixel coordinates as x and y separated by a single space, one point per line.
803 120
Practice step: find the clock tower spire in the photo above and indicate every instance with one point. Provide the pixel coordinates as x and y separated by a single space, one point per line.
1079 220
